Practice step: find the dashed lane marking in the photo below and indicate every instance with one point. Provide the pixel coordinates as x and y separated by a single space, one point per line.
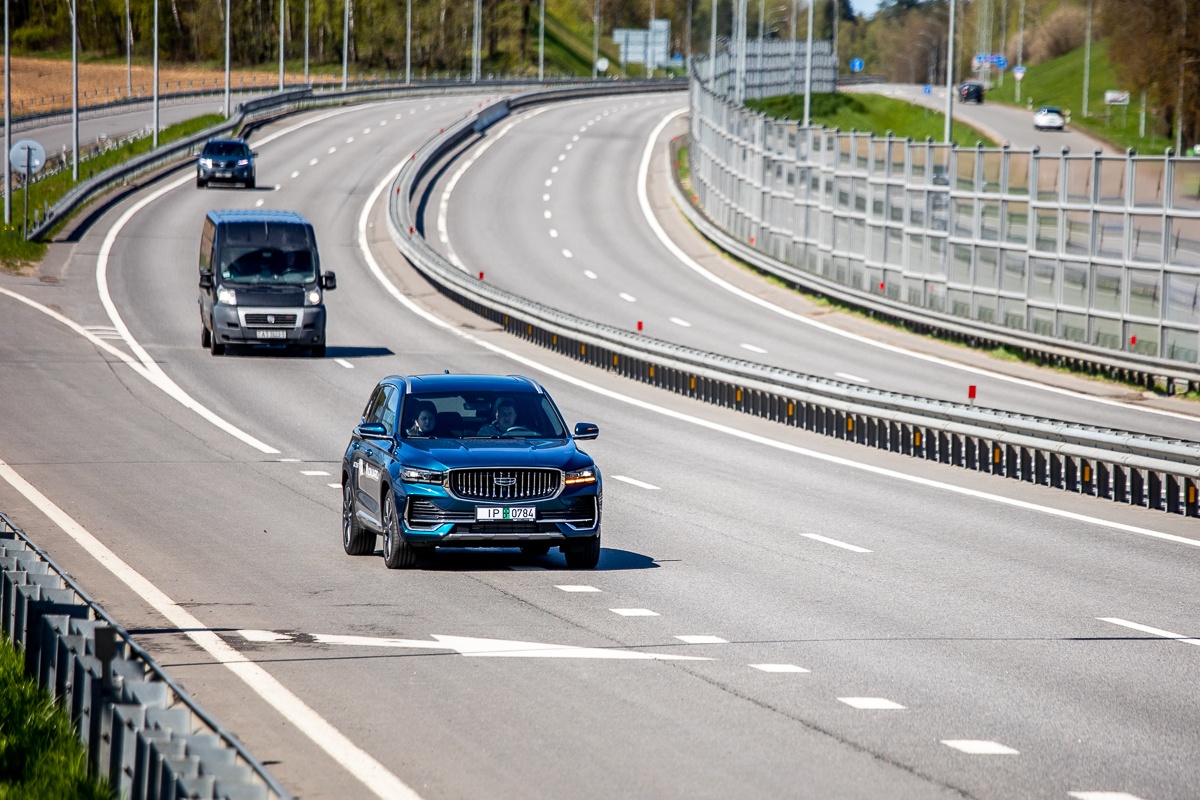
753 348
635 482
627 297
701 639
980 747
343 362
312 472
576 588
872 703
852 378
1178 637
778 668
634 612
819 538
681 322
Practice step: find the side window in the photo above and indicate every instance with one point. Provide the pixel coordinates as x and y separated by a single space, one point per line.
391 411
206 244
377 407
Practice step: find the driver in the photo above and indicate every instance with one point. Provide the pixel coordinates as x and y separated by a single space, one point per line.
425 420
505 418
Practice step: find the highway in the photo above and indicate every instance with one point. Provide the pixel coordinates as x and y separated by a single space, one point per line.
775 614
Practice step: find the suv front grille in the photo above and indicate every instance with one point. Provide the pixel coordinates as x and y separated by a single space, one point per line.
505 485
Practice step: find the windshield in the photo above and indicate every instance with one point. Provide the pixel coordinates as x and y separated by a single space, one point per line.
481 415
267 266
1051 110
226 149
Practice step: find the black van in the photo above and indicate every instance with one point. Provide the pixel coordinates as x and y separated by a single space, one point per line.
261 281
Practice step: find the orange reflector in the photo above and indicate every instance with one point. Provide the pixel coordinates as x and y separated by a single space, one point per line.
693 386
614 360
996 455
849 423
791 409
739 395
1087 473
917 439
651 370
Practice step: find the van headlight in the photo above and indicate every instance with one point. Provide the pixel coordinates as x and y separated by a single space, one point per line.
226 296
313 297
579 476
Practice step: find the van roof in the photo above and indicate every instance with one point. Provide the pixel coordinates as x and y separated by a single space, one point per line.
257 215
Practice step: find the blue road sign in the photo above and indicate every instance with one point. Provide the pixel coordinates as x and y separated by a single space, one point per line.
927 89
856 65
1001 62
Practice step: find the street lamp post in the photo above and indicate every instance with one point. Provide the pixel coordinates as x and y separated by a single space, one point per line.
596 39
1020 50
345 43
74 93
1087 60
128 51
281 7
950 73
808 67
7 122
542 41
408 41
226 59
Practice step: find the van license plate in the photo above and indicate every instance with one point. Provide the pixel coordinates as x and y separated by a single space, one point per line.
502 514
271 334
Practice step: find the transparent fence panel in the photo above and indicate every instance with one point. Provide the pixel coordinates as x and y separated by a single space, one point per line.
960 264
1046 230
965 170
1142 338
1180 345
1075 285
989 220
1018 173
987 268
1079 180
897 154
862 152
879 161
1072 327
1111 189
1185 242
993 165
1110 235
896 204
960 303
1013 313
936 264
1183 298
919 156
985 307
1041 285
1106 332
916 253
1048 177
1144 292
1109 293
1041 321
1146 238
1077 232
1149 181
1014 274
916 208
964 217
1016 222
1185 192
894 252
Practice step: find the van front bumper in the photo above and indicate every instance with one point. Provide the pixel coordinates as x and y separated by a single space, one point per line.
269 326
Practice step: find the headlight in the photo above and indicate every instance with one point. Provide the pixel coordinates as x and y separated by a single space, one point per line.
414 475
313 298
579 476
226 296
206 163
243 162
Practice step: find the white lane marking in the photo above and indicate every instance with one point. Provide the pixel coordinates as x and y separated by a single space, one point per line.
1152 631
349 139
312 163
311 472
562 156
835 543
1103 796
265 636
627 297
289 460
554 169
634 612
568 147
476 647
553 233
687 261
573 587
366 130
383 122
546 214
980 747
635 482
778 668
566 253
356 760
852 378
575 138
295 173
589 274
549 181
583 128
717 427
701 639
332 150
343 362
872 703
258 203
681 322
104 332
753 348
546 197
334 485
444 203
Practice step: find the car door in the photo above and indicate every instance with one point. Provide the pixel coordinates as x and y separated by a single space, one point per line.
368 456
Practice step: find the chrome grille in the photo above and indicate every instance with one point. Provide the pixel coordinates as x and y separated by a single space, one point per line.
264 320
505 485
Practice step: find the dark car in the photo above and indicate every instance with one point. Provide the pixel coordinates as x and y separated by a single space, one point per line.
468 461
971 92
226 160
261 281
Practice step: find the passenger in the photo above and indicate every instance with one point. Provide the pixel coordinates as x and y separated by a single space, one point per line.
425 420
505 418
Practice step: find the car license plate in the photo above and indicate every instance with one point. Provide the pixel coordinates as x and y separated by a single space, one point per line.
223 173
504 513
271 334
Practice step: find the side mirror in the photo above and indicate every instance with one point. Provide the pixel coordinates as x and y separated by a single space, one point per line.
254 153
586 430
372 430
329 281
206 281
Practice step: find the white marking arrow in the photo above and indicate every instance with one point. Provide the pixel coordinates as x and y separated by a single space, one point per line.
470 646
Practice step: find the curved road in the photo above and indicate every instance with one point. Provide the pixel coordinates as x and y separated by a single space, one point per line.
863 625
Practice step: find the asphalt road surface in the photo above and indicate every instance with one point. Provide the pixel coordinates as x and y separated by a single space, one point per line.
855 624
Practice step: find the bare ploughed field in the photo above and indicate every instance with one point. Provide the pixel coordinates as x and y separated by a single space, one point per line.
41 84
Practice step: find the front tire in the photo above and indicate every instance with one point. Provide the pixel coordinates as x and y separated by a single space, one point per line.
250 183
317 351
201 184
355 540
397 553
205 338
584 556
215 347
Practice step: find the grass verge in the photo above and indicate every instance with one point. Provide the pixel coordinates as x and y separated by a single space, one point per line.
16 254
40 755
871 114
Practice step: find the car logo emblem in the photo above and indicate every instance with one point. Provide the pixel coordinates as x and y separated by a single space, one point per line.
270 319
504 481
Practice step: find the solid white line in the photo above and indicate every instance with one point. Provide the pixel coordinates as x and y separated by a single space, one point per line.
635 482
753 348
835 543
557 374
687 261
852 378
357 761
1152 631
343 362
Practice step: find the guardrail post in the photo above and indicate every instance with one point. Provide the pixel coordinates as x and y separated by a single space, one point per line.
1102 481
1027 468
970 447
1190 497
1137 487
1057 479
1155 497
1174 498
1012 463
1120 484
996 462
1040 468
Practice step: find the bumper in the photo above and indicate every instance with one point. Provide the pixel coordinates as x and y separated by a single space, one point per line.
229 175
432 517
308 329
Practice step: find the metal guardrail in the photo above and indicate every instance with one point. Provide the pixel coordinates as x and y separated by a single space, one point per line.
1122 466
143 733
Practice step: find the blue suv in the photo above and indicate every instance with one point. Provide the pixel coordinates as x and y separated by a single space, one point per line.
468 461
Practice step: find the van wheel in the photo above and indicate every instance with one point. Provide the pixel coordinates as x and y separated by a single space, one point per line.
215 347
317 351
205 338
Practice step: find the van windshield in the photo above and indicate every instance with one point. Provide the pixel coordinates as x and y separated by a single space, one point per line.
266 265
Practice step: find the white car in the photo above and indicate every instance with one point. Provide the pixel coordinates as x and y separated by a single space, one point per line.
1048 118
